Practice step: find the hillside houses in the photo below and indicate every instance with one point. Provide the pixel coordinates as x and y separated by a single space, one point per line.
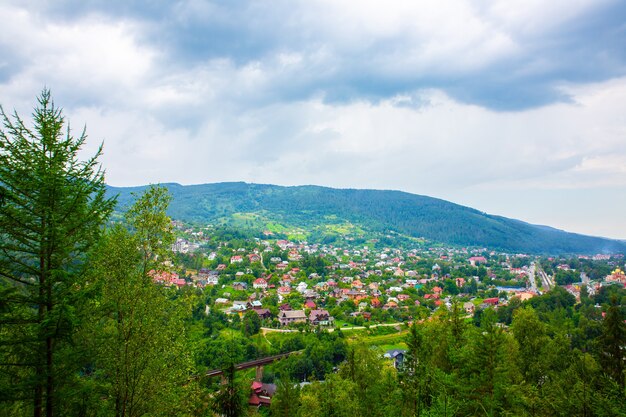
359 281
288 317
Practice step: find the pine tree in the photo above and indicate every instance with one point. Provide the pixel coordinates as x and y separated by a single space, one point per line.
53 208
613 343
287 399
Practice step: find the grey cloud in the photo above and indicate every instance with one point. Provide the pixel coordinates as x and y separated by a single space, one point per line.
588 48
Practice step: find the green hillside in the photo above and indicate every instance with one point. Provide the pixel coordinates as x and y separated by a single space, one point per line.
338 210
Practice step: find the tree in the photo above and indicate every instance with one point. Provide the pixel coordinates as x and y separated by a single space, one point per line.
54 206
251 323
137 333
287 399
230 400
152 227
485 360
613 343
414 374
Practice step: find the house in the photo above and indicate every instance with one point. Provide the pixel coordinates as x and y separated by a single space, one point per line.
286 280
301 288
240 286
263 313
310 305
283 290
491 302
294 256
397 355
180 282
238 308
163 277
236 259
469 307
287 317
260 283
255 304
253 257
310 295
320 317
261 394
474 260
356 295
437 291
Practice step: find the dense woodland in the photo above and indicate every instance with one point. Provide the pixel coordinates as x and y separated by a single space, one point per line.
378 212
85 331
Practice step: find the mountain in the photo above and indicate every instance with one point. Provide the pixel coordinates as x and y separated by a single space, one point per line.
366 211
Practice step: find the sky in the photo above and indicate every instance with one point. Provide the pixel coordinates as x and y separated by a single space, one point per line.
513 107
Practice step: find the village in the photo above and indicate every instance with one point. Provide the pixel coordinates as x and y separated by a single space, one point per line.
293 284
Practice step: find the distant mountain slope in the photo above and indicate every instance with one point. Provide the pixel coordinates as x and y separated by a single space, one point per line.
375 210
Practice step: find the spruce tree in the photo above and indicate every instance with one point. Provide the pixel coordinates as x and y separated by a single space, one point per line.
53 208
613 343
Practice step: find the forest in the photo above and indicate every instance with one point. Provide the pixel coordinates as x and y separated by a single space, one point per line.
86 332
377 212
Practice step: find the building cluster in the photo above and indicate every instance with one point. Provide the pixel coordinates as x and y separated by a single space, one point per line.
288 283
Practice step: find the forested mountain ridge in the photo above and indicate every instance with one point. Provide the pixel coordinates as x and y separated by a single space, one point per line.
372 210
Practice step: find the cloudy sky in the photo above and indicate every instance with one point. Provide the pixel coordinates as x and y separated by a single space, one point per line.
513 107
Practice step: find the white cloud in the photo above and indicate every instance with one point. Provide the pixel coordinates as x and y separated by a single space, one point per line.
93 58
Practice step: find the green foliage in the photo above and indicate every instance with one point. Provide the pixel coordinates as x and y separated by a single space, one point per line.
53 208
390 215
286 401
613 344
135 332
230 400
251 323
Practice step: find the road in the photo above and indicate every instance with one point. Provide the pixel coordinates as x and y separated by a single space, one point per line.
330 329
584 278
531 276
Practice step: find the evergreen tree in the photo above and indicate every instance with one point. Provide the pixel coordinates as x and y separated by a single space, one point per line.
53 208
287 399
251 323
230 400
613 343
414 374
